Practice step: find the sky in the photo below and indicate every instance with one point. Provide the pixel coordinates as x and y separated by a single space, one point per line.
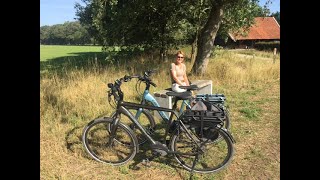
59 11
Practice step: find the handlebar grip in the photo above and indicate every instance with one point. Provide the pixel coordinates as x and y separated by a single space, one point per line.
114 90
126 78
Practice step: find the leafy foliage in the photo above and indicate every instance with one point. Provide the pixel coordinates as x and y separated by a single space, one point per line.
239 17
67 33
276 15
166 24
159 24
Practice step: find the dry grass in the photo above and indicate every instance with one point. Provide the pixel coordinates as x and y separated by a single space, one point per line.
251 86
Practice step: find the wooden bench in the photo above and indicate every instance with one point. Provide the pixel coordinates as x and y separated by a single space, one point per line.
205 87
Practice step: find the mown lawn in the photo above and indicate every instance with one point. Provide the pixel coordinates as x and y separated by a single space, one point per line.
48 52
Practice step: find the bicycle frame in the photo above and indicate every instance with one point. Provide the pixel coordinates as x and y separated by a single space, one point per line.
123 105
122 109
149 98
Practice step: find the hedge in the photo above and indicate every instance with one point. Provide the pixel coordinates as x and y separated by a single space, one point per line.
267 46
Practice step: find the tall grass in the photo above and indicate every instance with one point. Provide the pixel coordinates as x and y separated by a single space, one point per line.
70 101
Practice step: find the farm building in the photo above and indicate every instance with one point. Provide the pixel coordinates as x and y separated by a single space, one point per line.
265 29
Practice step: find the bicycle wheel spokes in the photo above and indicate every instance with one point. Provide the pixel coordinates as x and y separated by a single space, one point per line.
146 121
102 147
213 156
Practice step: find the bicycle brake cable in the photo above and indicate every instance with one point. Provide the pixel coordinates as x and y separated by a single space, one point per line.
109 99
138 85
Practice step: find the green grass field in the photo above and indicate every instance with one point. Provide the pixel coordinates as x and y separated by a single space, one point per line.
71 97
48 52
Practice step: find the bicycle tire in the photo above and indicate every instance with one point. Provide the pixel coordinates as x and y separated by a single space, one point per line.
227 123
215 163
94 139
145 119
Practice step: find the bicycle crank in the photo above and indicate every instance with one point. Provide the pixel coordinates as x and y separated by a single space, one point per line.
160 148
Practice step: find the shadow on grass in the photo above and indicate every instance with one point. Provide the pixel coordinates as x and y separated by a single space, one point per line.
91 60
76 60
145 153
73 142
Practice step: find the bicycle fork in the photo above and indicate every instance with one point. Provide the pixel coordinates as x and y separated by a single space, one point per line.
113 130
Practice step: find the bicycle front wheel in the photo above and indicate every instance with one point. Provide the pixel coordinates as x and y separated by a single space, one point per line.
103 147
202 156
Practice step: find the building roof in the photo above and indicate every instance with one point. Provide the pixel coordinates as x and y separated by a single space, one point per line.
265 28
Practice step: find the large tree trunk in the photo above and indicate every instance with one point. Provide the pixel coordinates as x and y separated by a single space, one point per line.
206 39
194 49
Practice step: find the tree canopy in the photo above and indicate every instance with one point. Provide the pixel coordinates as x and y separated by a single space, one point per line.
166 24
276 15
62 34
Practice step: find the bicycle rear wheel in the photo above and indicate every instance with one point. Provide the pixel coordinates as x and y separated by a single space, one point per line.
117 151
212 156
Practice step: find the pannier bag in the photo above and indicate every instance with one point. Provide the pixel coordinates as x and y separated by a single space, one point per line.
202 118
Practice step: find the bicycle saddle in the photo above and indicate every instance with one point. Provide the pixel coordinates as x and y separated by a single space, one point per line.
191 87
181 95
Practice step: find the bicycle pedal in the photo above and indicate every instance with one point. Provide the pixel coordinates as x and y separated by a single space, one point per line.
167 142
160 149
146 162
132 126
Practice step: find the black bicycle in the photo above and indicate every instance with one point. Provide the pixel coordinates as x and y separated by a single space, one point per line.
146 119
108 140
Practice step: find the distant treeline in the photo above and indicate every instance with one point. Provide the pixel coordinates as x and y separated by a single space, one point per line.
69 33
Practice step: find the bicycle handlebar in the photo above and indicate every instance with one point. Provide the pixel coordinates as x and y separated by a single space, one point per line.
115 89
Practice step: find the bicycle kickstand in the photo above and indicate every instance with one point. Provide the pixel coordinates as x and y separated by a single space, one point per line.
147 161
193 165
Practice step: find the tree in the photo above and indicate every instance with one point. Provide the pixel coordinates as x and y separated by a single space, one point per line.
67 33
165 24
232 15
276 15
152 25
44 34
85 16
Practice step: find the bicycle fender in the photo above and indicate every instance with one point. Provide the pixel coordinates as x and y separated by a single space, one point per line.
98 119
228 134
